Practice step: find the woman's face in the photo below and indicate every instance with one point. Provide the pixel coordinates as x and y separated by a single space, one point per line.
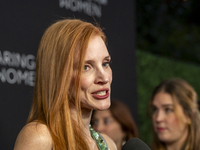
104 122
167 126
96 76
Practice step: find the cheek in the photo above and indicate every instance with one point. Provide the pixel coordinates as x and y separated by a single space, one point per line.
174 122
85 83
115 128
116 132
153 122
110 75
154 125
153 118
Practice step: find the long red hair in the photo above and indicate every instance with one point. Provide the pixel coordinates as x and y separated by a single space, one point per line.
54 70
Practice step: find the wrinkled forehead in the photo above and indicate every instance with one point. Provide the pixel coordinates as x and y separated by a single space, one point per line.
94 47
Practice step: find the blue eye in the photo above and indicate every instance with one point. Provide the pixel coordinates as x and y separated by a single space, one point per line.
86 67
106 64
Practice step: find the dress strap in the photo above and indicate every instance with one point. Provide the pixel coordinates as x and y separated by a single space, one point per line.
98 138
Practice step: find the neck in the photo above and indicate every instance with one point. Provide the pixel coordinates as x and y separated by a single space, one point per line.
119 145
86 116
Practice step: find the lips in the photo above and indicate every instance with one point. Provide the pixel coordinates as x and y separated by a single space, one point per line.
101 94
159 129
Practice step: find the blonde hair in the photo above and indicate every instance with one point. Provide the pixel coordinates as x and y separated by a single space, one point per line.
54 70
184 94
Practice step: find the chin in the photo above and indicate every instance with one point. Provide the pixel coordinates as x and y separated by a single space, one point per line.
104 105
163 139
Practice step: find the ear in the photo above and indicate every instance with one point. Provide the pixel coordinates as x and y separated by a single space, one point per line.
187 120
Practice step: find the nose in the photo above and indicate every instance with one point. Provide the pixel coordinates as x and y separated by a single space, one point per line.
159 116
102 77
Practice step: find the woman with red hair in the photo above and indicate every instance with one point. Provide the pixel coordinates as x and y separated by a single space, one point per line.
73 77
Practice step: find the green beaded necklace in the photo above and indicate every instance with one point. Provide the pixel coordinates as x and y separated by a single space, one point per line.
100 141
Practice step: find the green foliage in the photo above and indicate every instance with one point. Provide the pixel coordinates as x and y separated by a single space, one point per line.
151 70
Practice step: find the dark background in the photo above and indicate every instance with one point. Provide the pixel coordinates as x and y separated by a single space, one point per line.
22 25
169 28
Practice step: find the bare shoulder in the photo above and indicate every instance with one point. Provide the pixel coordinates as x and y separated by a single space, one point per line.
110 142
34 136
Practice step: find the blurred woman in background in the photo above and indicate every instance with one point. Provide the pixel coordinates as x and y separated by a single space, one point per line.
116 122
175 116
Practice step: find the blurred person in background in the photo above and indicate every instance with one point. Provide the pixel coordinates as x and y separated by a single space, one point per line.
175 116
116 122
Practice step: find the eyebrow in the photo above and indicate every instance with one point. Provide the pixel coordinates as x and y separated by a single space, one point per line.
165 105
108 57
90 61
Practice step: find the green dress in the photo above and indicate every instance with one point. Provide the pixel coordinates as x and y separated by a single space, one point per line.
100 141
